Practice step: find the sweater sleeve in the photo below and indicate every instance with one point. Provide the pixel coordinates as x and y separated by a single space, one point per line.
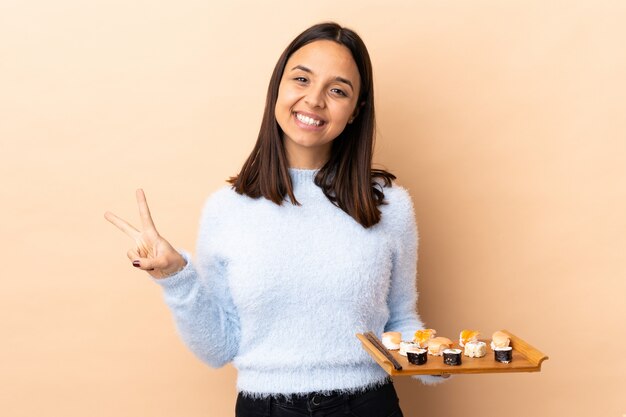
402 300
200 301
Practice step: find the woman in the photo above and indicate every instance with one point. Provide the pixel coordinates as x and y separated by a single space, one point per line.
307 246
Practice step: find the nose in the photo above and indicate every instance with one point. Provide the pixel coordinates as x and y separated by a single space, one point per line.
315 97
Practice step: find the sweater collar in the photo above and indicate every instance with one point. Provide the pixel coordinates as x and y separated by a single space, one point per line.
302 176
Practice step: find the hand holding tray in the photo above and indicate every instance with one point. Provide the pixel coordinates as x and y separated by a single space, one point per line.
525 359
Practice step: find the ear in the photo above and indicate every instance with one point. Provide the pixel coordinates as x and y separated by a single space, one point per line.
356 112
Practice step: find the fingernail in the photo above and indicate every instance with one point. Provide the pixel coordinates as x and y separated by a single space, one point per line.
136 264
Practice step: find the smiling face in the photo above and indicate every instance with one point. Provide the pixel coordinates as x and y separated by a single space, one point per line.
317 97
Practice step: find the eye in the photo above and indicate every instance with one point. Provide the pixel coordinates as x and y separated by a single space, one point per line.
339 92
300 79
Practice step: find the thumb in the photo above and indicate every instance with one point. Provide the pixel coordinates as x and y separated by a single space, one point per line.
147 264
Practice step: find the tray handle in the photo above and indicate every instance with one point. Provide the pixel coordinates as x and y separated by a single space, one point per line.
376 354
533 355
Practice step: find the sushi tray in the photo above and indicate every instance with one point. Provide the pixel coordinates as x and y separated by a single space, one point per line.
523 358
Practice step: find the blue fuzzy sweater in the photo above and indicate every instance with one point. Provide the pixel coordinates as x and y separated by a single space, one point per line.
282 290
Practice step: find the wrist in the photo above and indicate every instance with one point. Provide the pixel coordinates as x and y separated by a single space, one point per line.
178 265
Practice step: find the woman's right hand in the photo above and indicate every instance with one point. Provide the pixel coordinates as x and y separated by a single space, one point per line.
151 253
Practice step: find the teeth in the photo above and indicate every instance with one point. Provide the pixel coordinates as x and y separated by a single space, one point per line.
309 121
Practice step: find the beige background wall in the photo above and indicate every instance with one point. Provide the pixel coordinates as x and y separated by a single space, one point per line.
505 119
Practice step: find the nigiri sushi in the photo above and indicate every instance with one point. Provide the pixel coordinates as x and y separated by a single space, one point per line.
468 336
437 345
422 337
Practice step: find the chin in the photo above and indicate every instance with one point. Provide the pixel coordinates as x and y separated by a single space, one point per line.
311 146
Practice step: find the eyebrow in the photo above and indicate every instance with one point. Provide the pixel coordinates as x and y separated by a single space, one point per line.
340 79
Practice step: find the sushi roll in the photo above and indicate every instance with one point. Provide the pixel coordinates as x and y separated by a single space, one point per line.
437 345
475 349
417 356
405 346
503 354
452 357
467 336
391 340
423 336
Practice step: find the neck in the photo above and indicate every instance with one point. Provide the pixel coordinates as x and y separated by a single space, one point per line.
306 158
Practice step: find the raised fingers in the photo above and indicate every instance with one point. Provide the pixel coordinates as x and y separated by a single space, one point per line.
144 211
122 224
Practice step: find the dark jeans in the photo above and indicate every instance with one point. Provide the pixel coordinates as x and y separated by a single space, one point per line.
380 401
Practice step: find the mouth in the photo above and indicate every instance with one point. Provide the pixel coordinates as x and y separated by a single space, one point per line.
309 119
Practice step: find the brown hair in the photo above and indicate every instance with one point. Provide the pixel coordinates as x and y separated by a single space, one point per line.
347 178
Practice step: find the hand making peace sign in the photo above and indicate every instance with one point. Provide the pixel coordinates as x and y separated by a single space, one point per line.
151 253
